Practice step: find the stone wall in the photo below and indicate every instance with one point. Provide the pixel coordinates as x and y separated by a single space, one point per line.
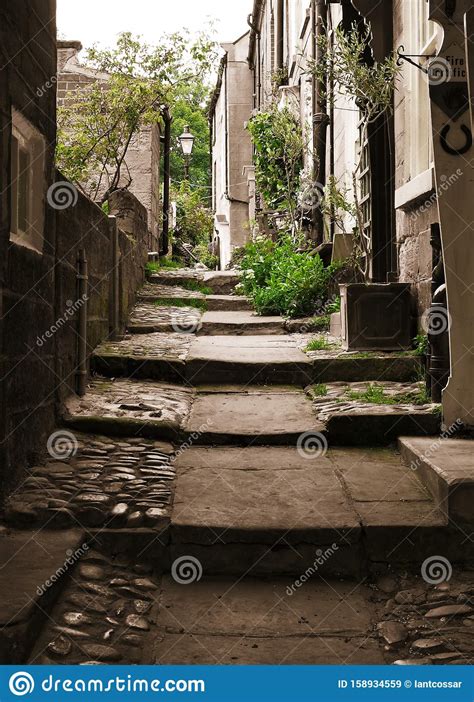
27 305
38 283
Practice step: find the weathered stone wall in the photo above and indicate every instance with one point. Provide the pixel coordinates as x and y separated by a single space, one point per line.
27 305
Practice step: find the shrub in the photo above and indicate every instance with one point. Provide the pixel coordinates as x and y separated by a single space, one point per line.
280 280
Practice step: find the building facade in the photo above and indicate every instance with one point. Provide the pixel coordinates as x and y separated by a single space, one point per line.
231 108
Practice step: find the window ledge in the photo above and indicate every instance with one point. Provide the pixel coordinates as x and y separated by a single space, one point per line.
416 189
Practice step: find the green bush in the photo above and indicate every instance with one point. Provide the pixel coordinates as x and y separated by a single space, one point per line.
280 280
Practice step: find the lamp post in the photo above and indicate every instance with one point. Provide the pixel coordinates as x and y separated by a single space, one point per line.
186 141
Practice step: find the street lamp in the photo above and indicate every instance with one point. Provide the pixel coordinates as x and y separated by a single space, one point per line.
186 141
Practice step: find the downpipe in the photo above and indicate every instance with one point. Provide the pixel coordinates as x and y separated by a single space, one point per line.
82 285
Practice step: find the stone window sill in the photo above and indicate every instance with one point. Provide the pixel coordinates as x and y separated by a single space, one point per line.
409 194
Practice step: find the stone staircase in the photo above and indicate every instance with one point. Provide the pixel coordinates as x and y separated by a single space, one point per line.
212 437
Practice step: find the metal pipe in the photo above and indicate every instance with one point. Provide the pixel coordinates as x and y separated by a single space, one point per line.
115 284
320 118
166 181
279 35
82 285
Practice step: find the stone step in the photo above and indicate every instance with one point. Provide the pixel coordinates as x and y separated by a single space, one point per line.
266 510
217 620
446 468
239 324
220 282
351 419
236 303
229 360
34 568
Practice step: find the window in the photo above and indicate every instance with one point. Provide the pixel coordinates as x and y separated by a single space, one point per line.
27 183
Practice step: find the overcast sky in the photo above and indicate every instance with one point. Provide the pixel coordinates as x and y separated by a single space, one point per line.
100 21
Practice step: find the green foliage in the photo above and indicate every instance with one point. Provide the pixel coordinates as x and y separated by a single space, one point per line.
278 142
320 390
420 343
319 344
280 280
155 266
134 80
194 222
171 302
375 394
320 323
334 306
195 286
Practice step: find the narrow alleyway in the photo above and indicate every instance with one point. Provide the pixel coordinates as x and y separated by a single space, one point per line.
225 495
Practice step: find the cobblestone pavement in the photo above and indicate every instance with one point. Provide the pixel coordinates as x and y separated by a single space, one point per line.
336 397
148 317
422 623
152 291
156 346
96 482
104 616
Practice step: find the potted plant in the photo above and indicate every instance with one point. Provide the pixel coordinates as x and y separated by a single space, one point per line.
374 316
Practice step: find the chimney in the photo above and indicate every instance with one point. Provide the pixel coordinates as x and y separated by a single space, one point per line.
67 50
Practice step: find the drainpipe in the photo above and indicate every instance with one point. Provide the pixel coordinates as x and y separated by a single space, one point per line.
166 181
319 15
279 34
82 279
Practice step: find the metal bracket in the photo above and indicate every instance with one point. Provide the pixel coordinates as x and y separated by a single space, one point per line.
409 58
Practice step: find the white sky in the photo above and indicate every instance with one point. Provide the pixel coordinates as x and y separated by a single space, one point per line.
100 21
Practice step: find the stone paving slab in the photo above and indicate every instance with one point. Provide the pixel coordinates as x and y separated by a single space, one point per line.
105 615
446 467
254 621
29 584
127 407
251 416
95 482
240 323
153 292
265 359
221 282
223 497
146 318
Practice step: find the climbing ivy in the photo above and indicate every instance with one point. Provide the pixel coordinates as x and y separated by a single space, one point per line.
278 142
